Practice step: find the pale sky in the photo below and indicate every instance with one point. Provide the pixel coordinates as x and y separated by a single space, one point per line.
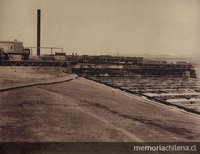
105 26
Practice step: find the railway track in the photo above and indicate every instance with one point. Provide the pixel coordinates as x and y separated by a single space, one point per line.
34 63
110 68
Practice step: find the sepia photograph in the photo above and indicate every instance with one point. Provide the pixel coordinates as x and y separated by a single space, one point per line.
99 76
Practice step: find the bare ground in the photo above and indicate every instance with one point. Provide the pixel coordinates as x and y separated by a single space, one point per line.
84 111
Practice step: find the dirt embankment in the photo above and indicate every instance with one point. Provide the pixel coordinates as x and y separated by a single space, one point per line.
13 76
82 110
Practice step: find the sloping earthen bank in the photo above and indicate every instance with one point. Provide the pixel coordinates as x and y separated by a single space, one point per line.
83 110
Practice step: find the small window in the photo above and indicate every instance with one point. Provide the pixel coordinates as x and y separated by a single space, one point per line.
11 47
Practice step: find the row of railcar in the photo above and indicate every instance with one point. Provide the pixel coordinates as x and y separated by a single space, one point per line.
104 59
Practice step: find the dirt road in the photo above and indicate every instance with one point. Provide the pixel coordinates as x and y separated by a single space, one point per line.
84 111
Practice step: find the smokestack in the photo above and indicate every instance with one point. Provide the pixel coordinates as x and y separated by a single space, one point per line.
38 31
